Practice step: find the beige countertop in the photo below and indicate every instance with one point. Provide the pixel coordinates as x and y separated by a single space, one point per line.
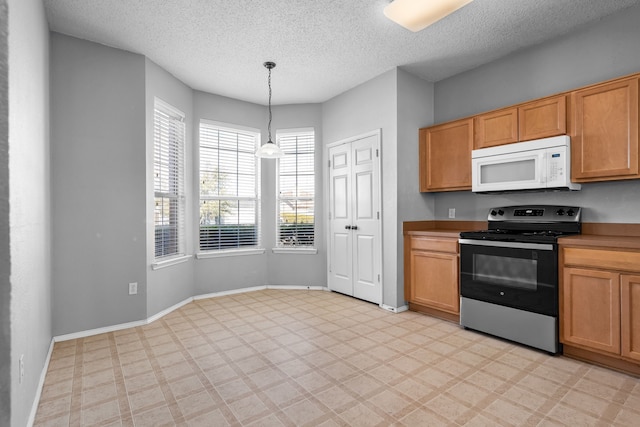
441 228
600 235
436 233
599 241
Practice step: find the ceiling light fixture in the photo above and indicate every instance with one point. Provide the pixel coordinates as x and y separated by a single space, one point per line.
269 150
416 15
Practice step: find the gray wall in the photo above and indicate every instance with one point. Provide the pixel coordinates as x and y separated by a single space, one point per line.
29 201
5 249
237 272
370 106
99 246
167 286
288 269
603 50
415 110
98 184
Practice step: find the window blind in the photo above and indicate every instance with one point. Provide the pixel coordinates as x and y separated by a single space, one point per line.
169 211
229 188
296 189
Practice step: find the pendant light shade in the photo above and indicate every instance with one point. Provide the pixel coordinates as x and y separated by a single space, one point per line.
269 150
416 15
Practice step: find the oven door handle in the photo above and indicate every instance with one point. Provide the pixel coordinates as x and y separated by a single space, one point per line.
515 245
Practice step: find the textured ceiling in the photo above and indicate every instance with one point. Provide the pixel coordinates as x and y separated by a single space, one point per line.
321 47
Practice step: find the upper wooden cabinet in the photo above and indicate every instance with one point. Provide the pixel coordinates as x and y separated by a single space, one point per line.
604 143
496 128
602 120
533 120
543 118
445 156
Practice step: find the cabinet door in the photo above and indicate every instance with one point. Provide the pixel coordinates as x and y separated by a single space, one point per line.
605 135
590 313
496 128
445 156
630 312
434 280
542 119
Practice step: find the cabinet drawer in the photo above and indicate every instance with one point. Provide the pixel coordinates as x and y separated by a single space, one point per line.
600 258
434 244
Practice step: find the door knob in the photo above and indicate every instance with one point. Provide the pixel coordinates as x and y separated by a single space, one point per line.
347 227
354 227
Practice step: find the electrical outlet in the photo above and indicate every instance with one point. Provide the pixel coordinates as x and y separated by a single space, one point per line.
133 288
452 212
21 369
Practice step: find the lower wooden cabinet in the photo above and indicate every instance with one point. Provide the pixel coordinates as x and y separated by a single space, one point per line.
630 314
591 312
600 302
431 275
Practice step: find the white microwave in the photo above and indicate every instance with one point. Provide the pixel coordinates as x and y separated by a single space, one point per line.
543 164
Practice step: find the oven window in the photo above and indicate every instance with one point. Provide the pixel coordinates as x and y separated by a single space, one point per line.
501 270
516 171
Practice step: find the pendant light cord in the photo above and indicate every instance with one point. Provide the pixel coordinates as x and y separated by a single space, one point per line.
270 116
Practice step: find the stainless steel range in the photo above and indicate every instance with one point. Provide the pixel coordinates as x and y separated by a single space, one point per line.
509 273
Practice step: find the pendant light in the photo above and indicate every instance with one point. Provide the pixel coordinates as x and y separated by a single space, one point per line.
269 150
416 15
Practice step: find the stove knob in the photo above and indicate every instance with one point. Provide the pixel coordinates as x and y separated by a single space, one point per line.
500 212
571 212
560 212
493 212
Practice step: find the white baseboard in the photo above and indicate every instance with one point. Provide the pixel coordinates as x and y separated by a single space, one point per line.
98 331
43 375
230 292
394 309
168 310
298 287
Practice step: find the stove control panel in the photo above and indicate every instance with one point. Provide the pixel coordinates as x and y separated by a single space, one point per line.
538 213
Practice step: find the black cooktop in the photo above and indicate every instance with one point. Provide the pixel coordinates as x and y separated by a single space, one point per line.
542 236
534 224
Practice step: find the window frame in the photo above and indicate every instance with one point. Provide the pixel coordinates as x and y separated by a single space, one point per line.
239 250
175 116
281 248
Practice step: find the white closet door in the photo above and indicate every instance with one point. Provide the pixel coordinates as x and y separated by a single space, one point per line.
354 246
341 238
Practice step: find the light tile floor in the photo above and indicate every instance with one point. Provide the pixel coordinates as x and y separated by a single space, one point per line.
295 358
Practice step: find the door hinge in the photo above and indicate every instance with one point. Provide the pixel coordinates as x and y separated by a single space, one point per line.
378 214
329 215
377 153
378 278
329 163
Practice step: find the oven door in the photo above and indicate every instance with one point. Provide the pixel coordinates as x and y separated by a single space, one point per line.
513 274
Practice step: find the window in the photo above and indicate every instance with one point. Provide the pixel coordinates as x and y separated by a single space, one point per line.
229 188
168 185
296 189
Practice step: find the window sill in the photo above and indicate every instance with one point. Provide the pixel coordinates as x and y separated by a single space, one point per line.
232 252
297 251
169 262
